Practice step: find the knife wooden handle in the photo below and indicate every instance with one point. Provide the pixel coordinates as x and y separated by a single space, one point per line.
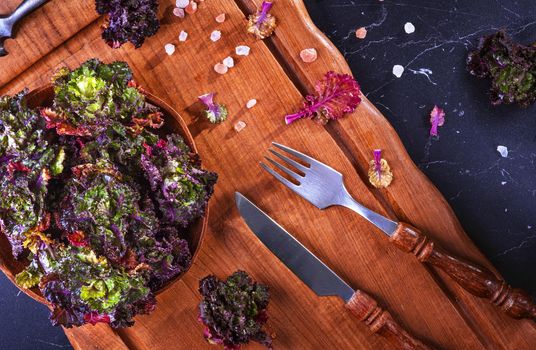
366 309
476 279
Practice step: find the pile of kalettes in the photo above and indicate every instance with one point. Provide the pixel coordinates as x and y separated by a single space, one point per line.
93 199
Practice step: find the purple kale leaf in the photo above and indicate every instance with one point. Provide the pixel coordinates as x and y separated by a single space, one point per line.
128 20
165 252
511 67
234 311
181 187
335 95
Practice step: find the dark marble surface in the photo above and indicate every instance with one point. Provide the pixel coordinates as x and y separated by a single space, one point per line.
493 197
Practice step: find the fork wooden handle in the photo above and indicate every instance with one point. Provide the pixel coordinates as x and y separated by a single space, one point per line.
476 279
366 309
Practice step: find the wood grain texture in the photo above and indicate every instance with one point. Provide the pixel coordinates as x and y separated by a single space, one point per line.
428 303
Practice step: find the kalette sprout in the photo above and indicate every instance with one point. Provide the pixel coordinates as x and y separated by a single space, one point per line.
215 113
379 173
262 24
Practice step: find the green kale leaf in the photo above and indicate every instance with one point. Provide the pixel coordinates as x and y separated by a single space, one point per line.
92 96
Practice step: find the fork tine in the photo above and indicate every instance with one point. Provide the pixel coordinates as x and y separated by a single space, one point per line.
296 154
286 170
289 161
279 177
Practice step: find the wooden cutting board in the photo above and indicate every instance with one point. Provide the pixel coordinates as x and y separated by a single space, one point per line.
426 301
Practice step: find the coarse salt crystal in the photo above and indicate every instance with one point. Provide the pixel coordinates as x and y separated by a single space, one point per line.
251 103
308 55
220 18
178 12
242 50
221 68
183 36
361 33
239 126
191 8
503 183
398 70
503 151
229 62
182 3
409 28
170 49
215 35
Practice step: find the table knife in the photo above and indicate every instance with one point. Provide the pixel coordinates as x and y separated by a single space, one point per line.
321 279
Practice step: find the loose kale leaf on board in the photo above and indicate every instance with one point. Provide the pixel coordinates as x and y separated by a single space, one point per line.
128 20
234 311
335 96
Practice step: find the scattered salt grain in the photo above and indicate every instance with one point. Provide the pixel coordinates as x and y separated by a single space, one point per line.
251 103
220 18
191 8
242 50
215 35
182 3
183 36
239 126
308 55
409 28
503 151
228 62
178 12
398 70
170 49
220 68
361 33
503 183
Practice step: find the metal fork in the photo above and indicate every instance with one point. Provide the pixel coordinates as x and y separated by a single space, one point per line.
323 186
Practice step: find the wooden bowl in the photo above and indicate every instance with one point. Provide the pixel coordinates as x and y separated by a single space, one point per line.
173 123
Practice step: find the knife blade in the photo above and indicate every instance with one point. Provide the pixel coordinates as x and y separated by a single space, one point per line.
311 270
321 279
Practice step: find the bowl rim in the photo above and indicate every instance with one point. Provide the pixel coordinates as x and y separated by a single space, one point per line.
185 133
